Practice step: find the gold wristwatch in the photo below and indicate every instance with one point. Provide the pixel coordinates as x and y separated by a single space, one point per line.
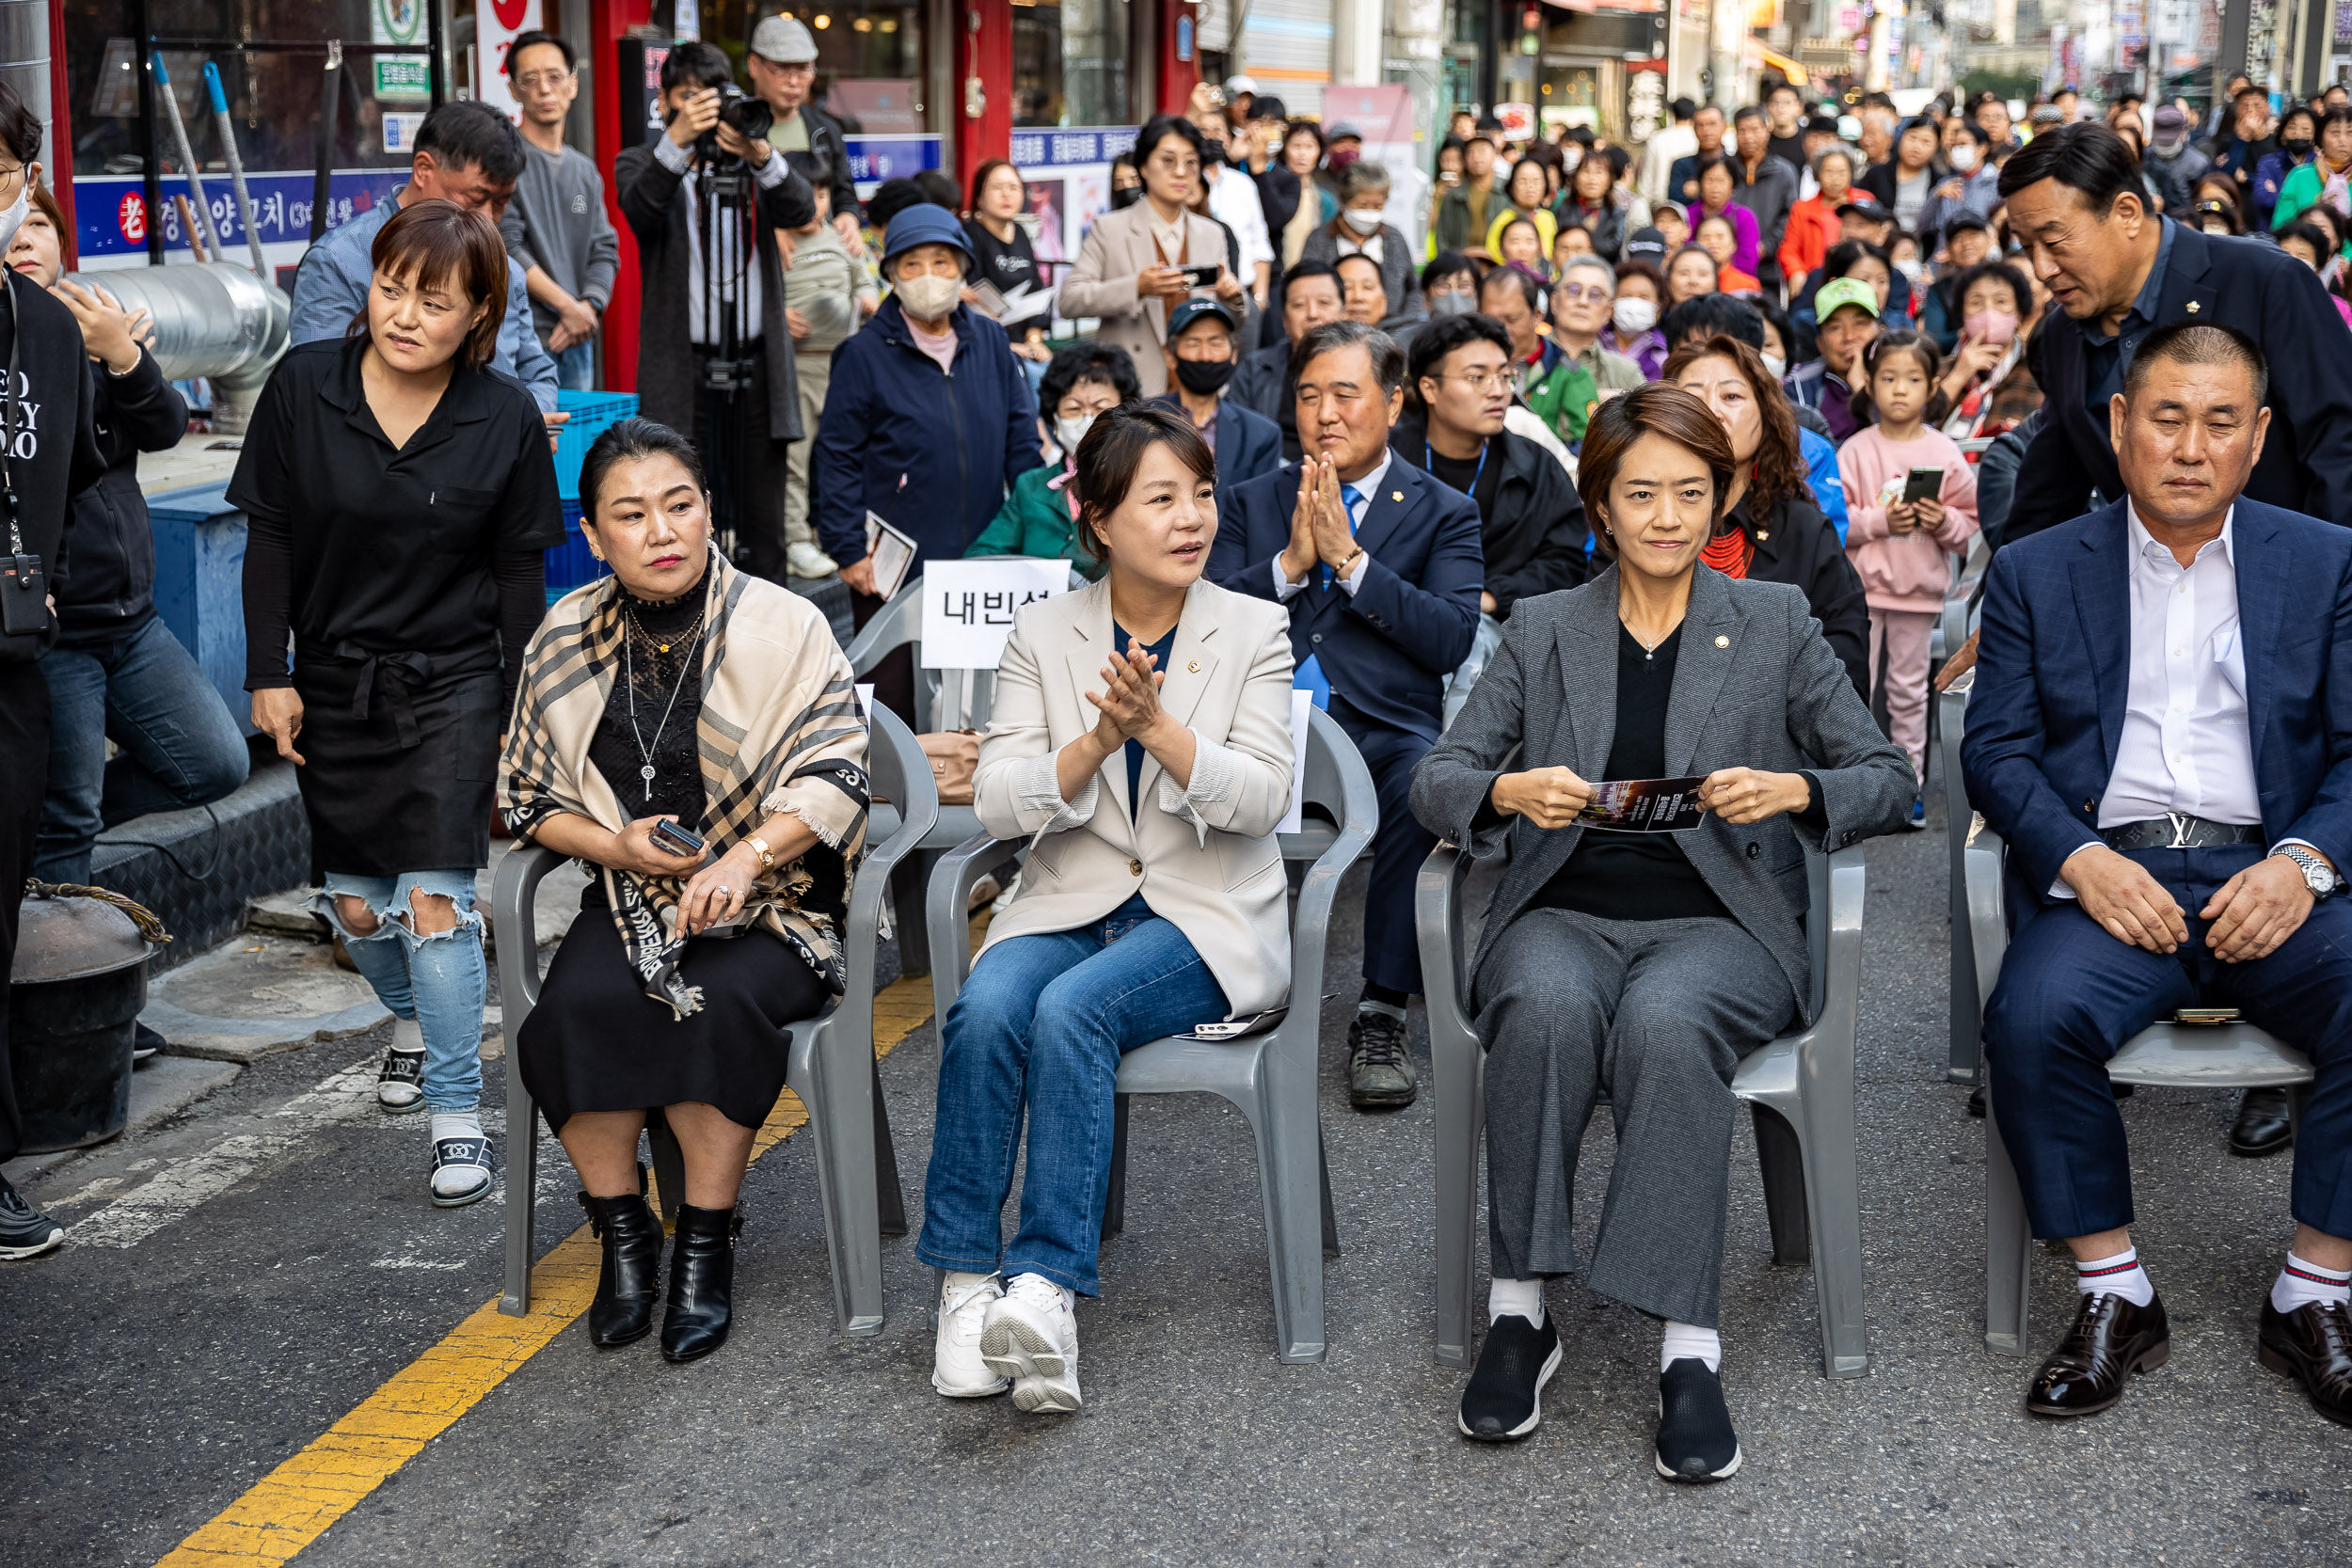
760 848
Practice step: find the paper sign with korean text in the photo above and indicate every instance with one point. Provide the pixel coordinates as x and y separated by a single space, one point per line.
968 606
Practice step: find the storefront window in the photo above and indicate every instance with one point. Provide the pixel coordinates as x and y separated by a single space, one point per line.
1070 63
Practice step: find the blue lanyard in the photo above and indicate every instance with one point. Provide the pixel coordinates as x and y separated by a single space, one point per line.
1429 459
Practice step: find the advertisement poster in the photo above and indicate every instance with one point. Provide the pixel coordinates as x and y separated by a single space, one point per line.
1069 176
497 23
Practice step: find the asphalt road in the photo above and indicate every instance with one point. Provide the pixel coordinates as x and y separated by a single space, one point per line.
143 1387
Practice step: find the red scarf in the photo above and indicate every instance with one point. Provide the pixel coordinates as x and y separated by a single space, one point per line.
1729 552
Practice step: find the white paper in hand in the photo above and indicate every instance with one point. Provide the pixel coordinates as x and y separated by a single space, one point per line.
1302 704
968 606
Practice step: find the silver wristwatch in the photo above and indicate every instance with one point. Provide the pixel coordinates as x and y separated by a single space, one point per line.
2316 873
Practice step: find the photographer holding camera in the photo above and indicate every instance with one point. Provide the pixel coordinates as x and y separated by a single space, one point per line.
694 313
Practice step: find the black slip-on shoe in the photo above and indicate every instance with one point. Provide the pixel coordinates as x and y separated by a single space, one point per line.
1695 1443
1504 1401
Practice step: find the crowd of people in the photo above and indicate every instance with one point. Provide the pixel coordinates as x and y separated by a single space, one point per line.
1689 440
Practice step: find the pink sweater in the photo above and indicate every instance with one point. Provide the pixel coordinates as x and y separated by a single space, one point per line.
1907 571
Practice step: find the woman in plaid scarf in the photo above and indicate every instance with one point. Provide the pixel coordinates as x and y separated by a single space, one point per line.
691 735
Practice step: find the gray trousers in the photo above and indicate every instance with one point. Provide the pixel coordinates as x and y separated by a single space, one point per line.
1656 1012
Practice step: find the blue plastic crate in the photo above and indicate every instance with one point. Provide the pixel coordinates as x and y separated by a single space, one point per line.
571 564
592 414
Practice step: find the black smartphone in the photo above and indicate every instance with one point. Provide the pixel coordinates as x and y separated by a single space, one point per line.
1202 276
676 838
1924 485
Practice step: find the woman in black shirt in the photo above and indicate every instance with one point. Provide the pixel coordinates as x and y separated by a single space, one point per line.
1002 255
1643 964
401 497
1772 531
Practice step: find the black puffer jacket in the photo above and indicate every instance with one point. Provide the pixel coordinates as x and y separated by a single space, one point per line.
1796 544
1536 540
106 580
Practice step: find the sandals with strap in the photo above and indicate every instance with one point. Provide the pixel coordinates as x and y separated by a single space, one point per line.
460 1153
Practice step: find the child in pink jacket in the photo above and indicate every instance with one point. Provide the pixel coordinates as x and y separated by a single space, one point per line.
1900 549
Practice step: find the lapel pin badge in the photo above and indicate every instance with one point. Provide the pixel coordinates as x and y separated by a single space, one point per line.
1193 667
2192 307
1397 496
1723 642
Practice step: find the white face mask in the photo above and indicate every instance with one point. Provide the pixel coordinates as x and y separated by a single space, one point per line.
1963 157
1909 267
1363 221
14 217
929 296
1070 429
1635 315
1775 364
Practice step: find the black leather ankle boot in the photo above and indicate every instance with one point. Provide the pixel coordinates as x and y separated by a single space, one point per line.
630 1280
702 1282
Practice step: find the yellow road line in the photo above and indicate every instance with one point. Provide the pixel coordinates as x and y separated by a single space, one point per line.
296 1503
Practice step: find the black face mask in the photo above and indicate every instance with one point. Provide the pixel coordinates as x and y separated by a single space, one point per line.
1203 376
1121 199
2296 147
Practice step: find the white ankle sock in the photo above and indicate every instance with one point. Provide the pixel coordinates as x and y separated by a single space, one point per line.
1684 1340
2119 1276
456 1124
407 1034
2301 1283
1522 1298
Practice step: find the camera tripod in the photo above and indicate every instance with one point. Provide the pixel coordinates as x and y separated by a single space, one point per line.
727 223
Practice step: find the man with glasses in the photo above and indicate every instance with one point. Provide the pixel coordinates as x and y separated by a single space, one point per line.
1532 524
783 67
1142 261
1580 305
556 229
48 455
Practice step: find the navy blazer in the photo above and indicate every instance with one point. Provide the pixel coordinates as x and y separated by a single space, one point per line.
2054 667
1248 443
2263 292
1388 648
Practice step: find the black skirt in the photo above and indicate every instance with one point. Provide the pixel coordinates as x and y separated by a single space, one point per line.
597 1042
399 763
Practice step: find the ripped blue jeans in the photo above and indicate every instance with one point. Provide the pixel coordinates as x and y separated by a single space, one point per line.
438 979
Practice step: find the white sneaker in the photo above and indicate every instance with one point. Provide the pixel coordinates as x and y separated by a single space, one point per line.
1032 1337
400 1086
804 559
958 1369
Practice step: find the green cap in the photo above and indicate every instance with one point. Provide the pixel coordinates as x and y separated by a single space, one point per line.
1840 292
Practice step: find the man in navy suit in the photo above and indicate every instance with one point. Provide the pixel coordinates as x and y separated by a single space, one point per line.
1380 567
2118 272
2162 729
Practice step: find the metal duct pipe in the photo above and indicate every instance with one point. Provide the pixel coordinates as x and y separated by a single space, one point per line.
210 319
24 64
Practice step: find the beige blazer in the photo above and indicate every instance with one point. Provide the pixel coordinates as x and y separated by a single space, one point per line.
1203 857
1102 285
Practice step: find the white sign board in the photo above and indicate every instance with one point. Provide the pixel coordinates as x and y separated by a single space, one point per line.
968 606
497 24
1302 704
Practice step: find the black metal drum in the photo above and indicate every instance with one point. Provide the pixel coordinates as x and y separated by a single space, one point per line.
79 982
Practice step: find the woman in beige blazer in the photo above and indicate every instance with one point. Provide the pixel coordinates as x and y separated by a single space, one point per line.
1141 744
1127 272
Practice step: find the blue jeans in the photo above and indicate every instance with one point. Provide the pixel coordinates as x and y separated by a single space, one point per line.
576 367
1043 1023
440 980
180 748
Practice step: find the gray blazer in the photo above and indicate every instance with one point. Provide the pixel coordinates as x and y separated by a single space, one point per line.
1755 686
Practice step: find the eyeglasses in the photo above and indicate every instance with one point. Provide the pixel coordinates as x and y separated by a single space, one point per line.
535 81
10 174
1484 381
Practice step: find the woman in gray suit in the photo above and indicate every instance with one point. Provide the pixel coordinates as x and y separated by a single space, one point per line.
1141 744
1643 964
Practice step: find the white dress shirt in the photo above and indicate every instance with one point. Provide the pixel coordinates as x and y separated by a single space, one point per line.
2186 746
1233 202
679 160
1365 489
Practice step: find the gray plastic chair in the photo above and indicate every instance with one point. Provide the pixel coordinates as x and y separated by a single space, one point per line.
944 699
1966 1048
831 1066
1458 685
1800 1088
2166 1055
1272 1077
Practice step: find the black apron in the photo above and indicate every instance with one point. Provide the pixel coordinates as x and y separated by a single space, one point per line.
400 758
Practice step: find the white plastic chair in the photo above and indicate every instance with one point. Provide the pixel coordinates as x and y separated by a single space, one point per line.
1271 1077
2166 1055
1800 1090
831 1065
1458 685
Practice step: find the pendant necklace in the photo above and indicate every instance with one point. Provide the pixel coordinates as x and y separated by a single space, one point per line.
629 674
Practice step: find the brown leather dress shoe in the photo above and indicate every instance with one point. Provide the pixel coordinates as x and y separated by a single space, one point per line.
2312 1345
2111 1338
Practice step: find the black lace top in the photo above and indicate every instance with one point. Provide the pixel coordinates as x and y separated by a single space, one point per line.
655 680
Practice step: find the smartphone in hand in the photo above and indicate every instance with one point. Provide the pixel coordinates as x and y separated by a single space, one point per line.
1925 484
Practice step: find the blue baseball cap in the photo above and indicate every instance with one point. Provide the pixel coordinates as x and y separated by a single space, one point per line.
924 223
1192 310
